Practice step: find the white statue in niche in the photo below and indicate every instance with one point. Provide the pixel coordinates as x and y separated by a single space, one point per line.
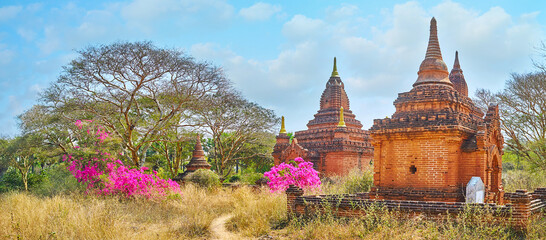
475 190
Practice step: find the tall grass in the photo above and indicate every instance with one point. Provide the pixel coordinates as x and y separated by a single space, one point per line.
27 216
355 181
255 213
521 179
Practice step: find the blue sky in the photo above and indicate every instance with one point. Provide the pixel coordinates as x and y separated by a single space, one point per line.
277 53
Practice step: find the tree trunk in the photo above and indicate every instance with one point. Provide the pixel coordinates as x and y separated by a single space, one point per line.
24 176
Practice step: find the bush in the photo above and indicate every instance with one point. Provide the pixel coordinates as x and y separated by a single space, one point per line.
11 180
234 178
251 178
204 178
57 180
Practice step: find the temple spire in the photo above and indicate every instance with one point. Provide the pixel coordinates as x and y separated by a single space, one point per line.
433 49
456 64
341 118
334 72
457 78
283 129
433 69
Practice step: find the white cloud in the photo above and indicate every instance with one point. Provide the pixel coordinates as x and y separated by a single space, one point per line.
346 10
9 12
377 66
301 27
259 11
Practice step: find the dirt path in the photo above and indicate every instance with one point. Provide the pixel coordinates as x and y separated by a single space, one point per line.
218 228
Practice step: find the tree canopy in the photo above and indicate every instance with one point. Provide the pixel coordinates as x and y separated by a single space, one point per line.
523 115
136 90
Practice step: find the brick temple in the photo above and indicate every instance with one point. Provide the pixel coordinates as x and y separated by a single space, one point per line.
435 144
334 141
437 139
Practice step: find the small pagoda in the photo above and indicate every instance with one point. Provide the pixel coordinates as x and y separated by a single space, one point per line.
437 139
198 161
334 141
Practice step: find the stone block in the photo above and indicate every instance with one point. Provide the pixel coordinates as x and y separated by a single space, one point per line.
475 190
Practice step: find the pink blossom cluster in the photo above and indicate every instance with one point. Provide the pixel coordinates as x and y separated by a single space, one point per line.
87 174
299 172
109 176
133 182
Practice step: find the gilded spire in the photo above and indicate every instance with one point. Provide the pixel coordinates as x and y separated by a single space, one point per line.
334 72
341 119
457 78
283 129
433 69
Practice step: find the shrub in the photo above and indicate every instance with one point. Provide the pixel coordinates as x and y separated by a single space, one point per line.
298 172
204 178
234 178
57 180
251 178
11 180
102 173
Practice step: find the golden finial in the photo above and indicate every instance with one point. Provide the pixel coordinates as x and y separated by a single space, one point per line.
283 130
341 119
334 72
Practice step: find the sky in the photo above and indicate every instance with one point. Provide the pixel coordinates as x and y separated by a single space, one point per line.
279 54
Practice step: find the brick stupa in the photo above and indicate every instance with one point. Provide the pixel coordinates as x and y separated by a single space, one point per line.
334 140
437 139
197 161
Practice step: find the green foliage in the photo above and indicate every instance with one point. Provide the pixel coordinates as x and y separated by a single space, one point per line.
234 178
204 178
56 180
12 180
251 178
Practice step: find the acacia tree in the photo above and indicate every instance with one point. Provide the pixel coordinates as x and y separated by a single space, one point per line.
522 106
175 147
56 137
20 152
134 89
237 126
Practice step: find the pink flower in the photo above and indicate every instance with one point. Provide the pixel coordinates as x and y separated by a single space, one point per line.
299 173
109 176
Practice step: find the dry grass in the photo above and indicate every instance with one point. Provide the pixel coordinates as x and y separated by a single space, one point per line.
355 181
521 179
27 216
380 224
256 213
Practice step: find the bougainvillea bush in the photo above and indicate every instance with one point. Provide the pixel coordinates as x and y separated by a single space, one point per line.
298 172
104 174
